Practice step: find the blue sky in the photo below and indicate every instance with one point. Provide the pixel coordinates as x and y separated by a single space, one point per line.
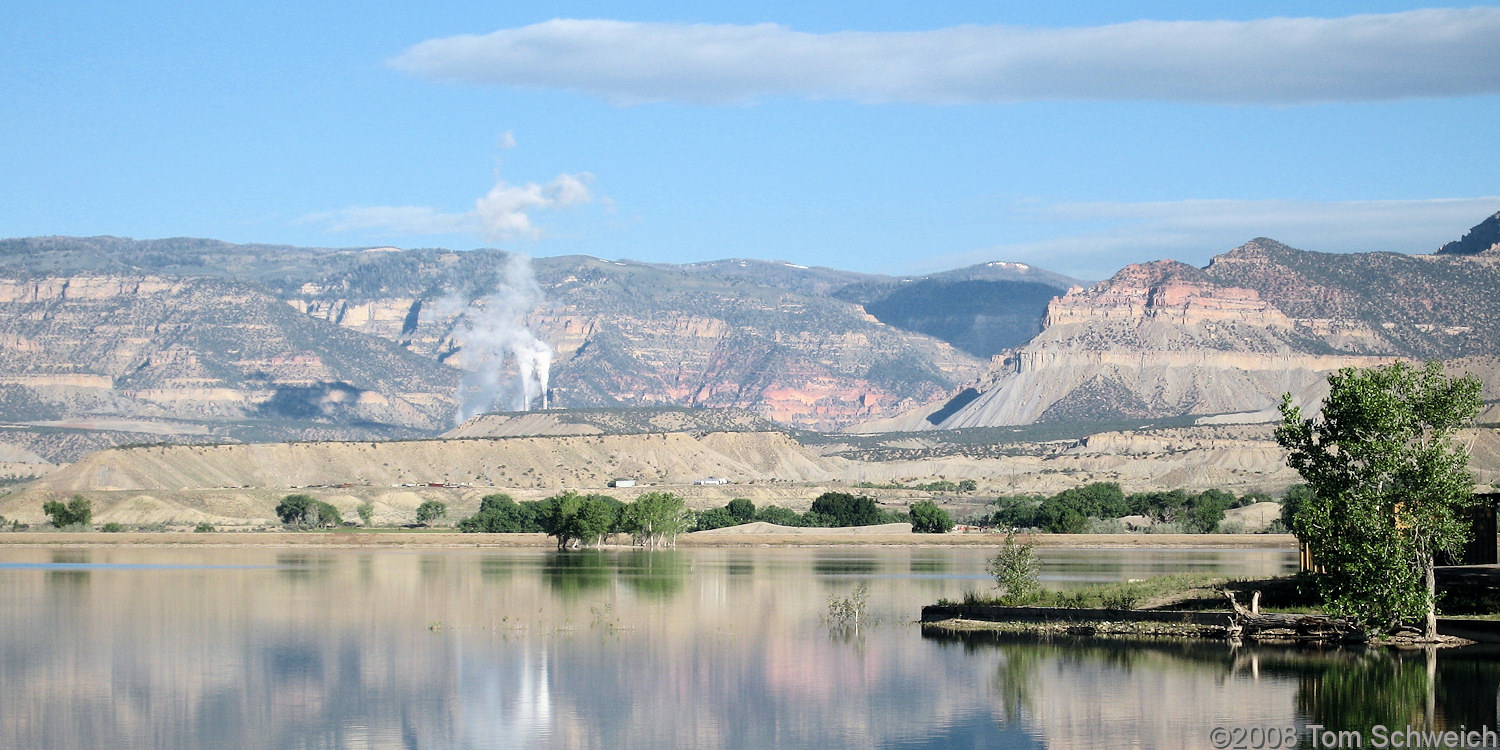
865 135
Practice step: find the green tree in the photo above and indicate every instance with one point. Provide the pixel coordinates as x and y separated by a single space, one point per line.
1293 499
431 510
308 512
1206 511
928 518
1057 516
967 485
845 509
1016 511
292 508
1016 571
779 516
78 512
597 518
1389 487
500 514
366 511
655 519
742 509
713 518
579 520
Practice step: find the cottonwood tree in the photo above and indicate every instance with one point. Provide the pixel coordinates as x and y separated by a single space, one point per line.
431 510
304 510
579 520
655 519
928 518
1389 486
77 513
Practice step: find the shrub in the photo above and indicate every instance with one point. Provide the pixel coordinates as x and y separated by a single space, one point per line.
204 527
112 528
847 612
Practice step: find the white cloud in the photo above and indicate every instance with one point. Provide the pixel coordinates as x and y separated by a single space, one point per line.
504 213
1193 231
1420 53
506 141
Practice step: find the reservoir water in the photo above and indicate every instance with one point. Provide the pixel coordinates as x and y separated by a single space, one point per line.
714 648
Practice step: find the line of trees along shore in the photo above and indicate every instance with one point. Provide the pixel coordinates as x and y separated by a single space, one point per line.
1080 510
656 518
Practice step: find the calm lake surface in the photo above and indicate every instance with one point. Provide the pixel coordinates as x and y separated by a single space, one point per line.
236 648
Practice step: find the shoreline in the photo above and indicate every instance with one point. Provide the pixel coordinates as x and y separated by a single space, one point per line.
457 540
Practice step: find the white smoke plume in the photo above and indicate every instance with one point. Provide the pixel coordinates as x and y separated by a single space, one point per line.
493 328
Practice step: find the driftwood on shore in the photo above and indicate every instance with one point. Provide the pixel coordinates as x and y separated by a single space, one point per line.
1252 623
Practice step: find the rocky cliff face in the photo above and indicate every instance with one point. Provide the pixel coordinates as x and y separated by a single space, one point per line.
154 350
1481 239
1166 339
630 334
150 331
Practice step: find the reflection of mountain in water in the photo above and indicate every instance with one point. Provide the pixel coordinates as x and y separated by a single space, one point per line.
686 648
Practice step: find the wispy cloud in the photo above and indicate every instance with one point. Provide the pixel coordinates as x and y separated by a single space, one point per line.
504 213
1193 231
1420 53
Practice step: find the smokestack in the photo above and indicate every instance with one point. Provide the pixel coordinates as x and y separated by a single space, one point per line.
493 329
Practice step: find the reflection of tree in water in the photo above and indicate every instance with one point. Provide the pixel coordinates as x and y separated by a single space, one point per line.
497 568
1421 689
572 573
431 567
842 564
70 578
304 567
740 564
929 563
658 573
1014 680
1468 687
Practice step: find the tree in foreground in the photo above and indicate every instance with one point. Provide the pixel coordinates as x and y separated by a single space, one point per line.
1388 487
928 518
78 512
1016 571
655 519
